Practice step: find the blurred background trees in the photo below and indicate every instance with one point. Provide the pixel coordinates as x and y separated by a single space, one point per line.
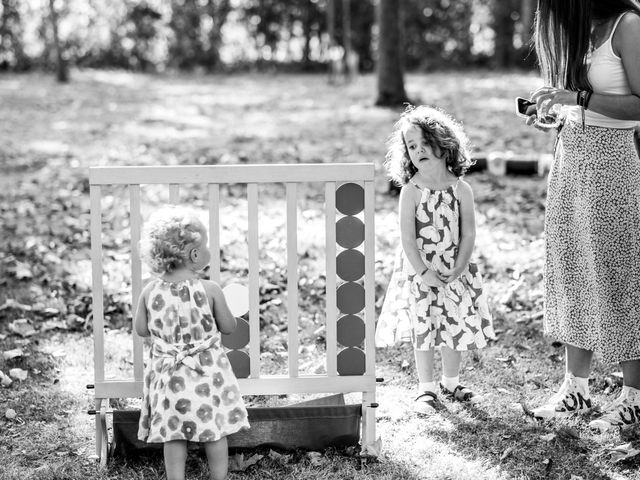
227 35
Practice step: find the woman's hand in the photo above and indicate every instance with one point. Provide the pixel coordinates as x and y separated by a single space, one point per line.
547 97
431 279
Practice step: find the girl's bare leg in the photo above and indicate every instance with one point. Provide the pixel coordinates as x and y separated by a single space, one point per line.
175 458
218 458
424 365
451 360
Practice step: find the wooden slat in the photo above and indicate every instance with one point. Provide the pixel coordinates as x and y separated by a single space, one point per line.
330 249
174 193
257 173
135 221
292 277
368 416
369 394
369 277
96 274
254 280
269 385
214 231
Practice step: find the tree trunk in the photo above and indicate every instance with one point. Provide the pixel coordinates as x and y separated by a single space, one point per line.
504 28
390 61
62 69
11 36
350 58
527 18
306 25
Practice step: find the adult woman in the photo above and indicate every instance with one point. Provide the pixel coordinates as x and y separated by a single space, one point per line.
589 52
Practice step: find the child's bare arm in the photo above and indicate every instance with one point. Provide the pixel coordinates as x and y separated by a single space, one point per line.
225 320
408 236
141 317
467 231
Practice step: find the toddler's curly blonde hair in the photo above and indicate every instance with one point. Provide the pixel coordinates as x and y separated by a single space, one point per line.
169 235
442 133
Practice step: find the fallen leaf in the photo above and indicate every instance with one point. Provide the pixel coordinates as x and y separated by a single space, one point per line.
10 303
237 462
279 457
623 452
527 411
9 354
315 458
506 453
373 449
18 374
22 271
568 433
52 325
5 381
50 312
22 327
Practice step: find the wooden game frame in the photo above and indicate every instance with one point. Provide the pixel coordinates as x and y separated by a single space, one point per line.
349 191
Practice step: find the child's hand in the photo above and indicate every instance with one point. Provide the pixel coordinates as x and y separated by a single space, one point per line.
448 275
431 279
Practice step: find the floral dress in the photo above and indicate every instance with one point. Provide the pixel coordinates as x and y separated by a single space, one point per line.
455 315
190 391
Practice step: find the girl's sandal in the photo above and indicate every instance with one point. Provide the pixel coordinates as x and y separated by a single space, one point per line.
460 394
425 403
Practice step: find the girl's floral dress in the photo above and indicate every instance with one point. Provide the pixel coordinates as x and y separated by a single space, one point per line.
455 315
190 391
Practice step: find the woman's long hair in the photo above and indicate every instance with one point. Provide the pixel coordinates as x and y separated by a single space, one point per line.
562 33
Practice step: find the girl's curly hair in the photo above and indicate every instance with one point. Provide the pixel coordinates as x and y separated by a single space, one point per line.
169 235
441 132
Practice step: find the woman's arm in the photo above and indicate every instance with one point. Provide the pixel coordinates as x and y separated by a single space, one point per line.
626 44
467 231
408 235
225 320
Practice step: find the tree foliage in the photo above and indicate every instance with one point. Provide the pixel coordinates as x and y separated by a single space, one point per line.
152 35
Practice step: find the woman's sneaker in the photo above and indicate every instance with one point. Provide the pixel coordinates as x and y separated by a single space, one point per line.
624 410
571 398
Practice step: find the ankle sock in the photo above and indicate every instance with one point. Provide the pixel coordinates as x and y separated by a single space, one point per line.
581 382
450 382
427 387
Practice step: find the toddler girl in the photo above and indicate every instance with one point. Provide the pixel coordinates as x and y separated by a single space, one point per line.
190 392
435 295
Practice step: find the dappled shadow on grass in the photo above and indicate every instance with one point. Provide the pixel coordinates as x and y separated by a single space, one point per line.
330 464
516 444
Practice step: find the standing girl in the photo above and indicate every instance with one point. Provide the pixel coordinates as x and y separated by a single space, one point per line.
190 392
589 51
435 294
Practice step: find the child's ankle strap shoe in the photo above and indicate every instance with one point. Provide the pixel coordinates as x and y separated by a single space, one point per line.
460 394
425 403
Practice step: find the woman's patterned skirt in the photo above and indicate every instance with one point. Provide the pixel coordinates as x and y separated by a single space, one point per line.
592 235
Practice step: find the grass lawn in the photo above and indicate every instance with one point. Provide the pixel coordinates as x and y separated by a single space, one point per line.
51 133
